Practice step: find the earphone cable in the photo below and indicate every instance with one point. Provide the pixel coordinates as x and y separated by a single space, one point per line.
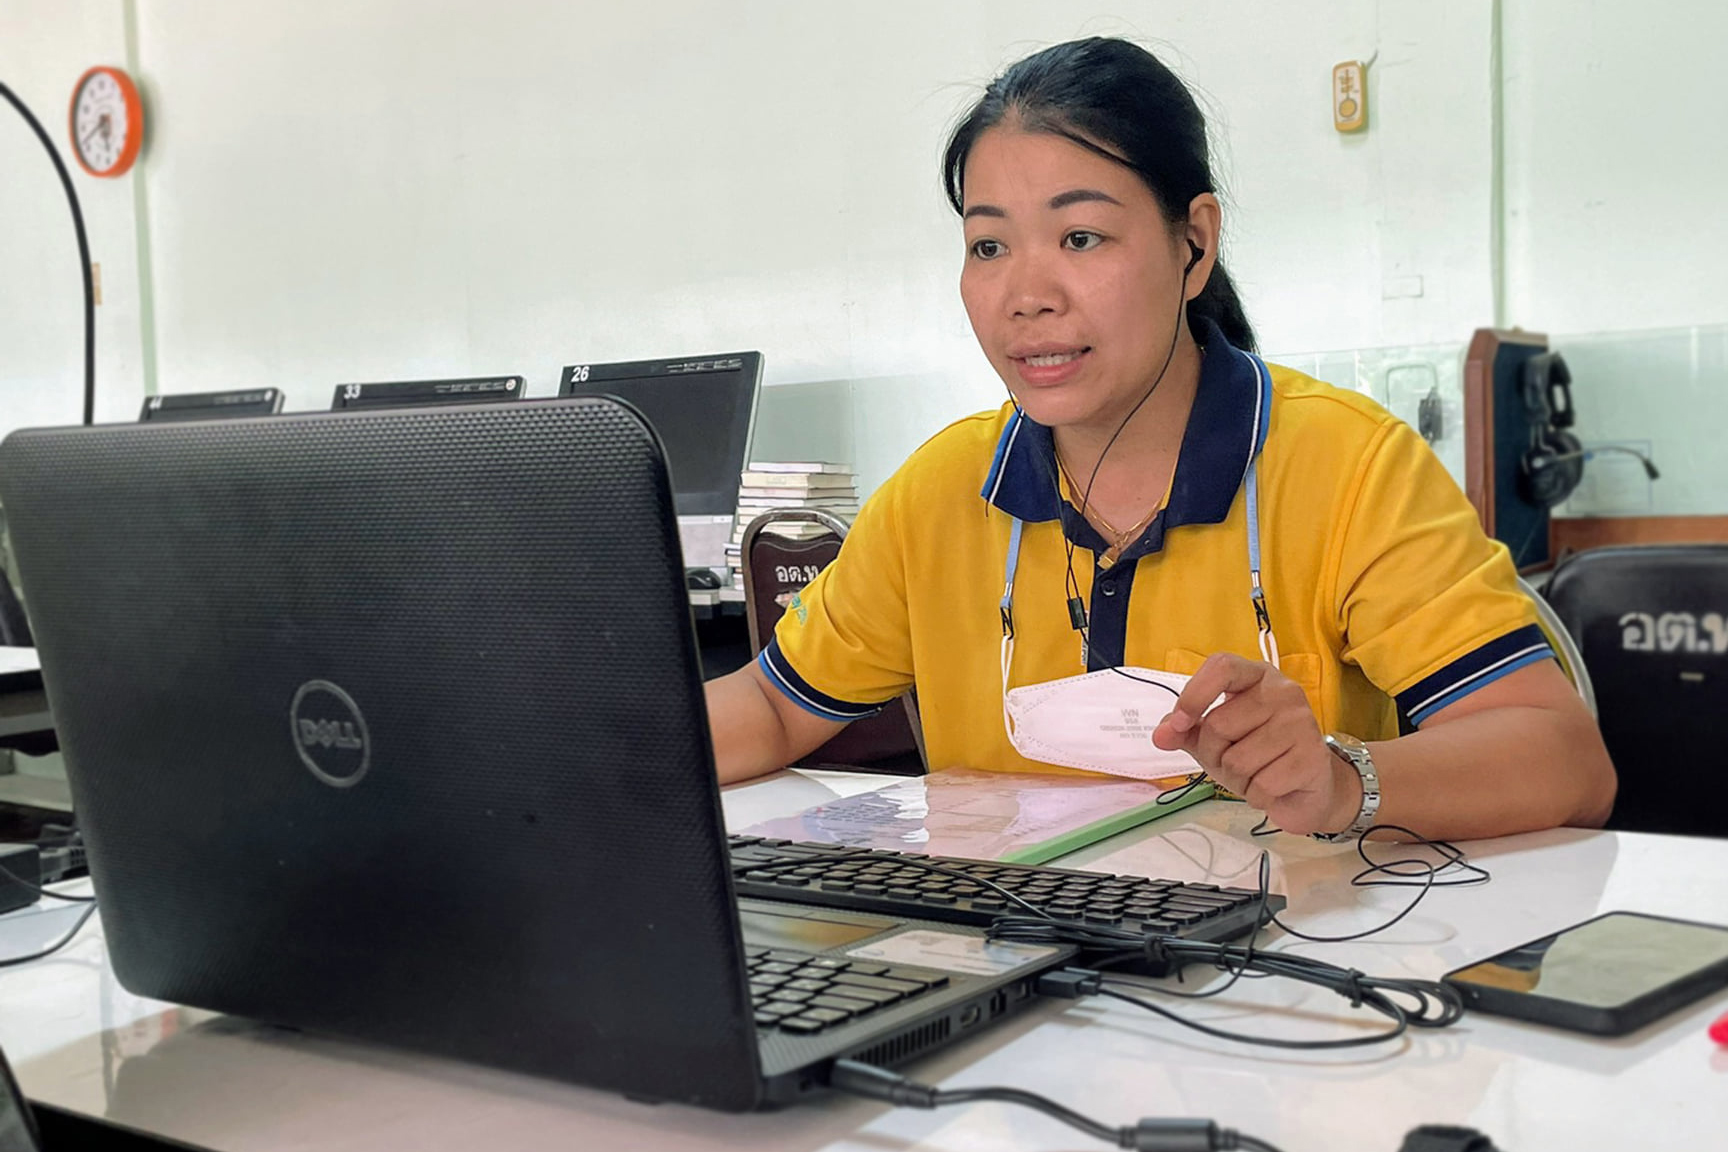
1071 583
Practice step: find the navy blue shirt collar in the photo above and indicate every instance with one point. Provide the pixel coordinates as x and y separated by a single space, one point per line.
1226 428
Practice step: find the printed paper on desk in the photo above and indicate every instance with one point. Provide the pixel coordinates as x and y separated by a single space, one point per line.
982 815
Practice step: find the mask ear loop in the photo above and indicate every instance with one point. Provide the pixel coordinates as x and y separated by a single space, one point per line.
1257 593
1007 608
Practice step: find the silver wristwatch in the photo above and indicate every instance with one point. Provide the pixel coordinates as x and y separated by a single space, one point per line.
1355 753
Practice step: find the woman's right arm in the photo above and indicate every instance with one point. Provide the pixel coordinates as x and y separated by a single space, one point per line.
757 728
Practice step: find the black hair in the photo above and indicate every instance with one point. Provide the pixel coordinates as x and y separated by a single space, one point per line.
1116 99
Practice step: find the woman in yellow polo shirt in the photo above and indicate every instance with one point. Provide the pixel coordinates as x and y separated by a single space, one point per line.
1157 519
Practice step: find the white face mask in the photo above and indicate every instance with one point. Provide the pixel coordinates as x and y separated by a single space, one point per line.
1100 721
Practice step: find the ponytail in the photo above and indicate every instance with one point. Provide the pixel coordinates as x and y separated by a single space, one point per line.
1219 303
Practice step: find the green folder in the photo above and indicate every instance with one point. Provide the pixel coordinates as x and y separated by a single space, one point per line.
1073 841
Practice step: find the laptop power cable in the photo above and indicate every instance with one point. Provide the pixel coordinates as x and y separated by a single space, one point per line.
1406 1003
1430 1003
1149 1135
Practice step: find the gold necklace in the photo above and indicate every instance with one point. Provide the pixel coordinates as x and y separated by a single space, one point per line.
1122 537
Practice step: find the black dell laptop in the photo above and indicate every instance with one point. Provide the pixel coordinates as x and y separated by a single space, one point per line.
389 725
17 1125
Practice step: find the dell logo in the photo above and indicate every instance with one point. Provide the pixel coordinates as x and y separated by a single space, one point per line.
330 734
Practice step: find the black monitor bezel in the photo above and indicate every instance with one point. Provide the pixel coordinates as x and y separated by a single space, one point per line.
378 395
231 404
591 379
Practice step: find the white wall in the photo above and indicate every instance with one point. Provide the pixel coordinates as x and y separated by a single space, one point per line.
1617 239
1617 160
1664 393
342 191
405 188
45 45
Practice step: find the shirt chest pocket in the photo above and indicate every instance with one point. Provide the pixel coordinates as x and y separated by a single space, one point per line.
1302 667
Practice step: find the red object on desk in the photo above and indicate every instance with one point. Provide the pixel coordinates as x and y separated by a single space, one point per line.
1719 1030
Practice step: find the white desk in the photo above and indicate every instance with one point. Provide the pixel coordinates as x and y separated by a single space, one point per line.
79 1041
14 661
23 703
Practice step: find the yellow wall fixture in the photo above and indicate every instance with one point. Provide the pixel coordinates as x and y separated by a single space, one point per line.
1350 96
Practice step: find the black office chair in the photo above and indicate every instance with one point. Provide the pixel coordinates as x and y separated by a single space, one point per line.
775 567
1565 648
1652 623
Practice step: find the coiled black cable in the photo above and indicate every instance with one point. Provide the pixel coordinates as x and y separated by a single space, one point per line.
1407 1003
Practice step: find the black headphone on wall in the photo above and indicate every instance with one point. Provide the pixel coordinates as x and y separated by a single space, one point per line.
1552 467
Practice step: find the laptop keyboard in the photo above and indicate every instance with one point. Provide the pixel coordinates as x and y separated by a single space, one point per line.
801 993
871 880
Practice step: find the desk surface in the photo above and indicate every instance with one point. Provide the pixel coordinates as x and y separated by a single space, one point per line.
79 1041
23 703
24 712
18 660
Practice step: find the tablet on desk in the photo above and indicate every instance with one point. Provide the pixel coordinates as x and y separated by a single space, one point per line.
1607 976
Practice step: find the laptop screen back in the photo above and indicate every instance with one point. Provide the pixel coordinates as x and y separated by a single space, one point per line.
389 725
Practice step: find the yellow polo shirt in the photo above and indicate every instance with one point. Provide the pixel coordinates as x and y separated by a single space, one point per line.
1379 580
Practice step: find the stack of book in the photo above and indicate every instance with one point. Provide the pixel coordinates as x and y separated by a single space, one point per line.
773 486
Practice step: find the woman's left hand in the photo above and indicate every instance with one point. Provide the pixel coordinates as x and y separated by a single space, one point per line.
1263 744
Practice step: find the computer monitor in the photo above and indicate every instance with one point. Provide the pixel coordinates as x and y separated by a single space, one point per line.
418 393
703 408
212 405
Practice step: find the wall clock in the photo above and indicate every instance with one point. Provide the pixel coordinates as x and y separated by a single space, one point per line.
107 122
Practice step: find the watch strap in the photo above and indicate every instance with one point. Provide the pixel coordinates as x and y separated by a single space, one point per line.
1355 753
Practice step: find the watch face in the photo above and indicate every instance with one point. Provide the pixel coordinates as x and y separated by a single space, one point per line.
103 123
1347 742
